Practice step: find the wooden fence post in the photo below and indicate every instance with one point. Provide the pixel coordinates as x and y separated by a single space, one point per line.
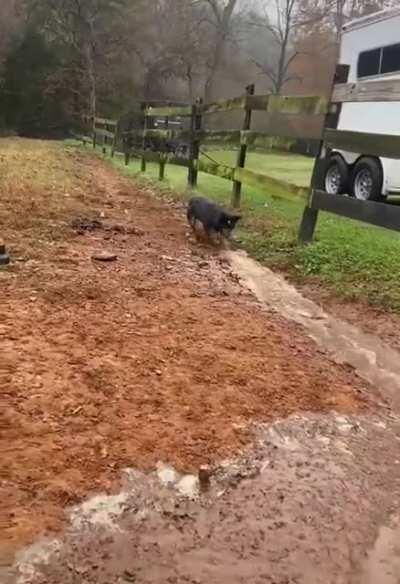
162 162
310 216
115 139
241 159
143 159
196 121
126 140
127 151
94 133
104 141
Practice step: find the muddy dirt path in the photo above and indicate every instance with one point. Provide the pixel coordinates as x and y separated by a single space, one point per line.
305 506
160 355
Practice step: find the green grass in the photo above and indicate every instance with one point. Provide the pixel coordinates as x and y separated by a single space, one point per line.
291 167
353 260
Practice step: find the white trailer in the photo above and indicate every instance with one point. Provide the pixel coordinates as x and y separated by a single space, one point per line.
371 47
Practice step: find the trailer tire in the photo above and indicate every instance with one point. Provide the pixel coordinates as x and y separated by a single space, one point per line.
336 180
367 180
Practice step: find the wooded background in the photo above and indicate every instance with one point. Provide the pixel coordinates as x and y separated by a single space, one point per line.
61 60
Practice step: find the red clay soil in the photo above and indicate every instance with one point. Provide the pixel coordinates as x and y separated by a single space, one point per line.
160 355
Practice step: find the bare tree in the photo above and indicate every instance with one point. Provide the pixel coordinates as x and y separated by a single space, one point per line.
338 12
184 40
221 16
171 43
191 50
287 20
280 22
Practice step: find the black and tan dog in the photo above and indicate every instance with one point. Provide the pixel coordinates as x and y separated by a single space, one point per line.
214 219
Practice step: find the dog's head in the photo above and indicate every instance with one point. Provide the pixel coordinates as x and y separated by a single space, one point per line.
228 222
231 220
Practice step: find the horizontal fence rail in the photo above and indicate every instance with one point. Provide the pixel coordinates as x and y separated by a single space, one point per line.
247 137
285 104
225 105
381 91
282 104
105 133
379 214
168 112
105 122
256 179
385 145
286 120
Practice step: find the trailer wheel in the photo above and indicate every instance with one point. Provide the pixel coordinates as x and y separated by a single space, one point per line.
336 176
367 180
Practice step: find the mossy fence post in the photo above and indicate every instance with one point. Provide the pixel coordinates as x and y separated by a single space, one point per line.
195 126
162 162
115 139
127 143
143 158
241 159
310 215
163 156
94 133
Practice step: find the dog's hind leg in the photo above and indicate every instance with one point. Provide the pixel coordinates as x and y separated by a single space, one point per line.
191 219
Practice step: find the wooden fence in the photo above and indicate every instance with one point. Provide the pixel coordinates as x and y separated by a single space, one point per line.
316 199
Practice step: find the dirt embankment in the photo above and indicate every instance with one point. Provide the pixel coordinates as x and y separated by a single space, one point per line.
159 355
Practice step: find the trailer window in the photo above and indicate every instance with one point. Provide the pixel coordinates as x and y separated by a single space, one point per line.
369 63
391 59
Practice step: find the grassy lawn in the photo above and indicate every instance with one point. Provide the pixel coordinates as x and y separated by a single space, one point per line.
292 168
355 261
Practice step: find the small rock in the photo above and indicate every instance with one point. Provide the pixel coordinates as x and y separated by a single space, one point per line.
104 257
188 486
82 224
166 474
203 264
135 231
4 257
204 478
129 576
118 228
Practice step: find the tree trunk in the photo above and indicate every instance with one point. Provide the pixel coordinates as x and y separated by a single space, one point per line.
223 20
92 81
217 59
189 79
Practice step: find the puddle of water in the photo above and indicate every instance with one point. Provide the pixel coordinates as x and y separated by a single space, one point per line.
383 563
372 359
101 511
39 553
